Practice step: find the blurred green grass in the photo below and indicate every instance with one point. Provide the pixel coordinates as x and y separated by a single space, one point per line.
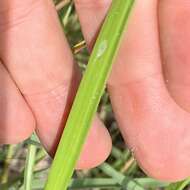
25 166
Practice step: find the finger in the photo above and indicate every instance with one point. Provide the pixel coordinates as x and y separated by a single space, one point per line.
16 120
143 108
37 55
96 11
93 155
175 42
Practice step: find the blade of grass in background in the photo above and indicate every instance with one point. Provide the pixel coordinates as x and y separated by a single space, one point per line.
179 185
5 175
121 179
88 96
61 4
30 162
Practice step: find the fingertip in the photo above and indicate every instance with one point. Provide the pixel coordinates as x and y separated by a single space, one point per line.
18 128
170 170
97 147
16 120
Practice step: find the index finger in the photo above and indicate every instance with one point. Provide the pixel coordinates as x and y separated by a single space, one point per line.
37 55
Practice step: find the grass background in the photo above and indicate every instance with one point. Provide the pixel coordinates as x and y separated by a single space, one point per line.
25 166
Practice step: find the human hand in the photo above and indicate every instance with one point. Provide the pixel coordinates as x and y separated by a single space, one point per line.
148 86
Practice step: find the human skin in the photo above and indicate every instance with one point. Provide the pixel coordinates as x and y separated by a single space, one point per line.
148 86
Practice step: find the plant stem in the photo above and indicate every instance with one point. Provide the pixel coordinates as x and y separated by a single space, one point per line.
30 161
10 154
88 96
79 46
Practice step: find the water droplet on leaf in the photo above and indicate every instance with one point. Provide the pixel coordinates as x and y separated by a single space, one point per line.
102 48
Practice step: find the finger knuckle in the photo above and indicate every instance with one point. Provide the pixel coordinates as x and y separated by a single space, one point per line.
16 12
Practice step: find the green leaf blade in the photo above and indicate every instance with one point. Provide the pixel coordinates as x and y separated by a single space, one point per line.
88 96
